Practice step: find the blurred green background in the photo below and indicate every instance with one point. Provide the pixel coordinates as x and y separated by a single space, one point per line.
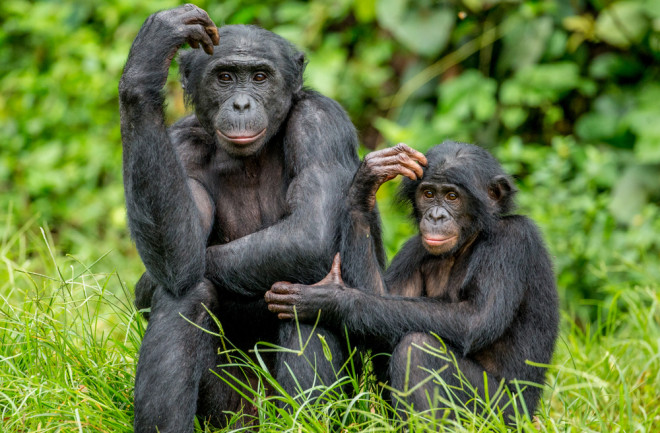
565 93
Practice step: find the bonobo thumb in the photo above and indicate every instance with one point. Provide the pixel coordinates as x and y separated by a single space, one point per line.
334 276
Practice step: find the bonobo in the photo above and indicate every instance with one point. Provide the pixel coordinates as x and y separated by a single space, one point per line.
477 277
245 192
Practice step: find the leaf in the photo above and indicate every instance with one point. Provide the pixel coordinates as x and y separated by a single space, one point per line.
326 67
365 10
326 349
632 191
611 65
469 95
622 23
596 126
525 42
424 30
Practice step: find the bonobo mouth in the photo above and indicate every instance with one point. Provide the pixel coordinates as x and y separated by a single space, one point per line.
241 139
434 242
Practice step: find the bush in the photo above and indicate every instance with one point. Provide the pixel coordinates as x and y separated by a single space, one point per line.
576 82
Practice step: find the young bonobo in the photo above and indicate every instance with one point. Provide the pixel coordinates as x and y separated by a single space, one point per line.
247 191
477 277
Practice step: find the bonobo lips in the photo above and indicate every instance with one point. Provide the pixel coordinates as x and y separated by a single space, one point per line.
434 242
241 139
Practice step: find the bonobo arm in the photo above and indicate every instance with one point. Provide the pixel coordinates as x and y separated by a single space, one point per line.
497 288
320 151
169 215
358 246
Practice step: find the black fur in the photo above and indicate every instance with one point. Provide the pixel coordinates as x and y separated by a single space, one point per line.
491 298
218 216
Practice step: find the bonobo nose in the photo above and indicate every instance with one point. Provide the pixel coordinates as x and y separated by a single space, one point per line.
437 214
241 103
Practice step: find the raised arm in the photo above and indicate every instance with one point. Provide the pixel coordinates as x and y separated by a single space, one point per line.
169 215
359 243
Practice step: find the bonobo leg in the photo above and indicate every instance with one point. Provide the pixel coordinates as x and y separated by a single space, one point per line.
413 359
296 373
173 357
144 291
217 400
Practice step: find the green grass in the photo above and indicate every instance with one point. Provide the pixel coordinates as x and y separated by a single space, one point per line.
69 337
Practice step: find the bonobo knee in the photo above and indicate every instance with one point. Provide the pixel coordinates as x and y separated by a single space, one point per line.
413 350
416 341
192 304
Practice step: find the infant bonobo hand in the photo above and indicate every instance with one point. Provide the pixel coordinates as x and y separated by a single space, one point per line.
307 299
380 166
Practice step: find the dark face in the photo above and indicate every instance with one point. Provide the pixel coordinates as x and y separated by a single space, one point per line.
243 93
441 210
240 89
463 192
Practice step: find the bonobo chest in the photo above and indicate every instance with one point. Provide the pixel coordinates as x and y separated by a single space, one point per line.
442 278
249 194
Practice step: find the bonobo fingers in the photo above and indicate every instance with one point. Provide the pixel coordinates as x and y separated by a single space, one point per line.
200 29
282 293
283 287
277 306
281 299
402 148
412 153
398 160
190 23
381 166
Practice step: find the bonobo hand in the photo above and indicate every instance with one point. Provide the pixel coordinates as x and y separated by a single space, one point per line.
162 34
379 167
307 300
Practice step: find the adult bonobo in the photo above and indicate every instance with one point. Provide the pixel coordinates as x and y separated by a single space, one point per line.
246 192
477 277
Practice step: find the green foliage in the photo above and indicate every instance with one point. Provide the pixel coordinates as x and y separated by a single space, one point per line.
494 73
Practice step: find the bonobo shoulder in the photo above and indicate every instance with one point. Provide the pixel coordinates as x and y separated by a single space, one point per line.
518 228
518 236
320 129
311 99
313 109
188 130
192 143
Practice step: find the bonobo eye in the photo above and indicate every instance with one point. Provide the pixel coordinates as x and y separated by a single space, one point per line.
428 193
225 76
451 196
259 77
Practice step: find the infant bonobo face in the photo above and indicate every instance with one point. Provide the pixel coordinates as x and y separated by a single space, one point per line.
463 191
441 209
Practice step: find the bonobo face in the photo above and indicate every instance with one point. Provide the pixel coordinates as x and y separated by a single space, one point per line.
243 92
463 192
441 208
247 93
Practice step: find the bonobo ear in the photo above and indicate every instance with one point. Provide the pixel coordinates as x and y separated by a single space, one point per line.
185 61
502 191
301 62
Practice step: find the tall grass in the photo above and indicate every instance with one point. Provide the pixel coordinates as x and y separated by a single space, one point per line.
69 338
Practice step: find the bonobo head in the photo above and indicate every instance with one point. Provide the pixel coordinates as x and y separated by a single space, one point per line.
463 191
244 91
